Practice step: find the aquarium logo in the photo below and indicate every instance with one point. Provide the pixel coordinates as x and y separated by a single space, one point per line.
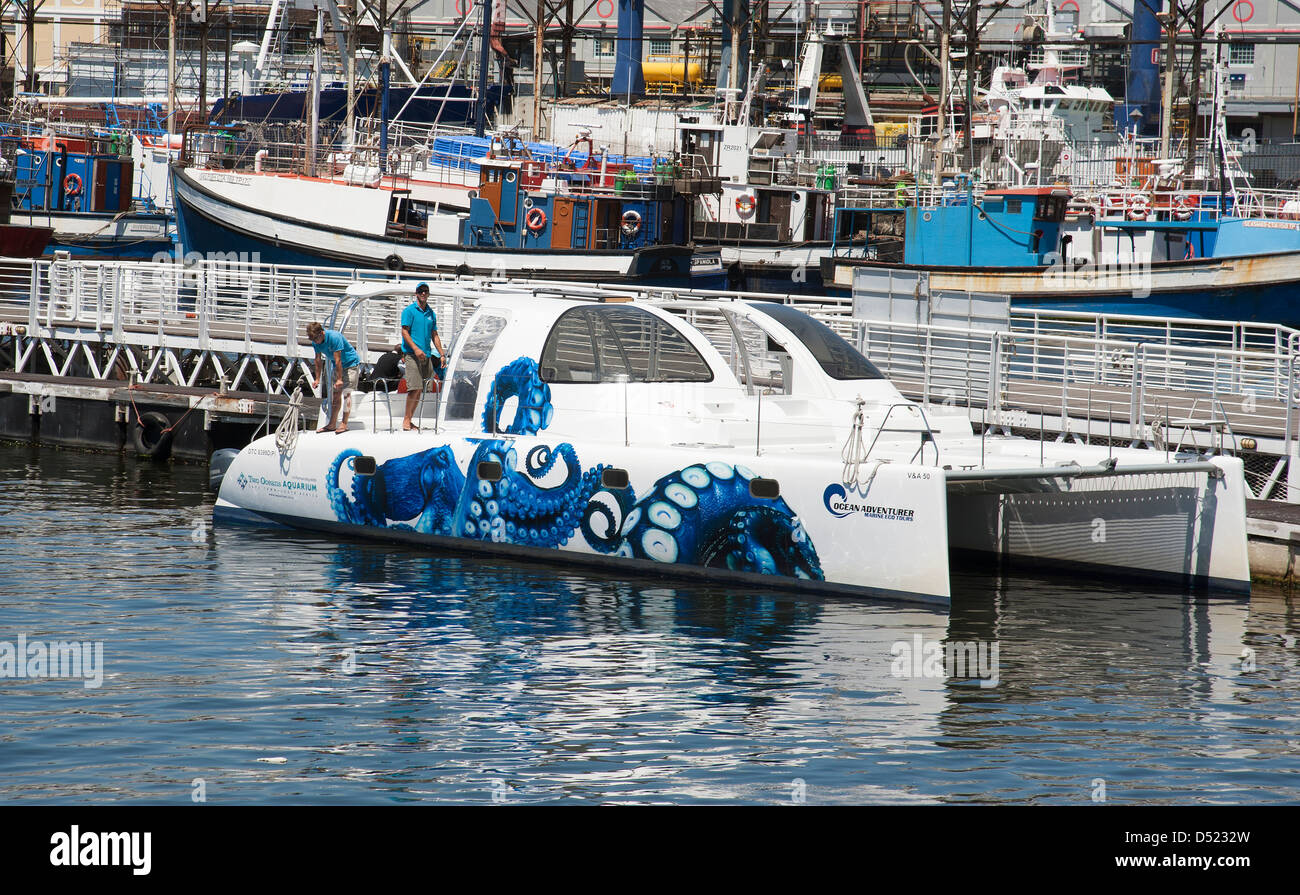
56 659
956 659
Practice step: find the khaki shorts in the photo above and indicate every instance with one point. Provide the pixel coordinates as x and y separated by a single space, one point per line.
418 372
351 380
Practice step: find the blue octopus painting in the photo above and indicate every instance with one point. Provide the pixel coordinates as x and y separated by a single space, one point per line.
518 379
704 515
701 515
427 492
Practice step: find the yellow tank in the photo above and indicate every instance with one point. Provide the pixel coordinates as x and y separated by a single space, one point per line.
830 83
671 72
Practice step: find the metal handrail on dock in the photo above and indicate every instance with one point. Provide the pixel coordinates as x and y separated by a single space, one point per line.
215 320
1108 378
1111 379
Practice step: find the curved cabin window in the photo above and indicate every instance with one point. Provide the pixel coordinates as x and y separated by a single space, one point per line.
610 344
837 357
469 366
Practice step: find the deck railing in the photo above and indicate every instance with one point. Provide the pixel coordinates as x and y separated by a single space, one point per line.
1147 381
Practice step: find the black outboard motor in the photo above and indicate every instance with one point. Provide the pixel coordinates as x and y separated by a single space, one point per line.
218 463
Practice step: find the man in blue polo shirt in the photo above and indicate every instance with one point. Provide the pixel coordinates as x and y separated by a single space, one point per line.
344 365
419 340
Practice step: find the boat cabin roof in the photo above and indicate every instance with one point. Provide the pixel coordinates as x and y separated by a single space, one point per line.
1028 191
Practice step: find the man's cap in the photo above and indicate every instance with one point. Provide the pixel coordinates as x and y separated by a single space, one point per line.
422 287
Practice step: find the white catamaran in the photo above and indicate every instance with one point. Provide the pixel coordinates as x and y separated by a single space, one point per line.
724 438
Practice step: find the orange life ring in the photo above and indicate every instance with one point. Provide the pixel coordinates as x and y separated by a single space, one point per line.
745 205
535 219
631 222
72 185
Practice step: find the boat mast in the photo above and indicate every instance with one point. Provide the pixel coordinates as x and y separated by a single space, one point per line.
480 113
202 12
350 122
385 65
1170 60
538 50
171 67
941 123
315 92
972 45
1194 101
733 70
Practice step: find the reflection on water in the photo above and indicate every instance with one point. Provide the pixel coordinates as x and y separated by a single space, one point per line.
276 666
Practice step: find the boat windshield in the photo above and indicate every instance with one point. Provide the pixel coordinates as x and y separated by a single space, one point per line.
837 357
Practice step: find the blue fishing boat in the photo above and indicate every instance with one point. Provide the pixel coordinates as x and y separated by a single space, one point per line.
1030 244
83 188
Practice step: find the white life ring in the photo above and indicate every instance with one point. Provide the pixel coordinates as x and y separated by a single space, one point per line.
1138 207
631 222
744 205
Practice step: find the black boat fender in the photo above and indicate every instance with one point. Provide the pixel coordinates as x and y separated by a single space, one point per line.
153 435
394 262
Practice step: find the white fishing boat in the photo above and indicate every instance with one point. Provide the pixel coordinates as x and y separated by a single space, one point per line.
723 438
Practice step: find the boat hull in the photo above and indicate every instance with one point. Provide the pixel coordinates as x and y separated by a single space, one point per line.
22 241
684 511
782 270
1256 288
125 236
211 222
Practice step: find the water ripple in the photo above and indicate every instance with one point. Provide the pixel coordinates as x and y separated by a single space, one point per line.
280 667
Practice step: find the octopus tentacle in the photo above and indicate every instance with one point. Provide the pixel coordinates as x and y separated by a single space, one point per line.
705 515
515 509
518 379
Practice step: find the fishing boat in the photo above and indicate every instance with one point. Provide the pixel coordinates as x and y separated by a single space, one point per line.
82 187
525 219
17 240
721 438
1027 244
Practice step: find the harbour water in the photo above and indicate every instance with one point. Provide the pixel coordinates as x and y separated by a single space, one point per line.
246 666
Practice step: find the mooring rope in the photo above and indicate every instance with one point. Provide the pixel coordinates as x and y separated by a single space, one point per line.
286 434
854 454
